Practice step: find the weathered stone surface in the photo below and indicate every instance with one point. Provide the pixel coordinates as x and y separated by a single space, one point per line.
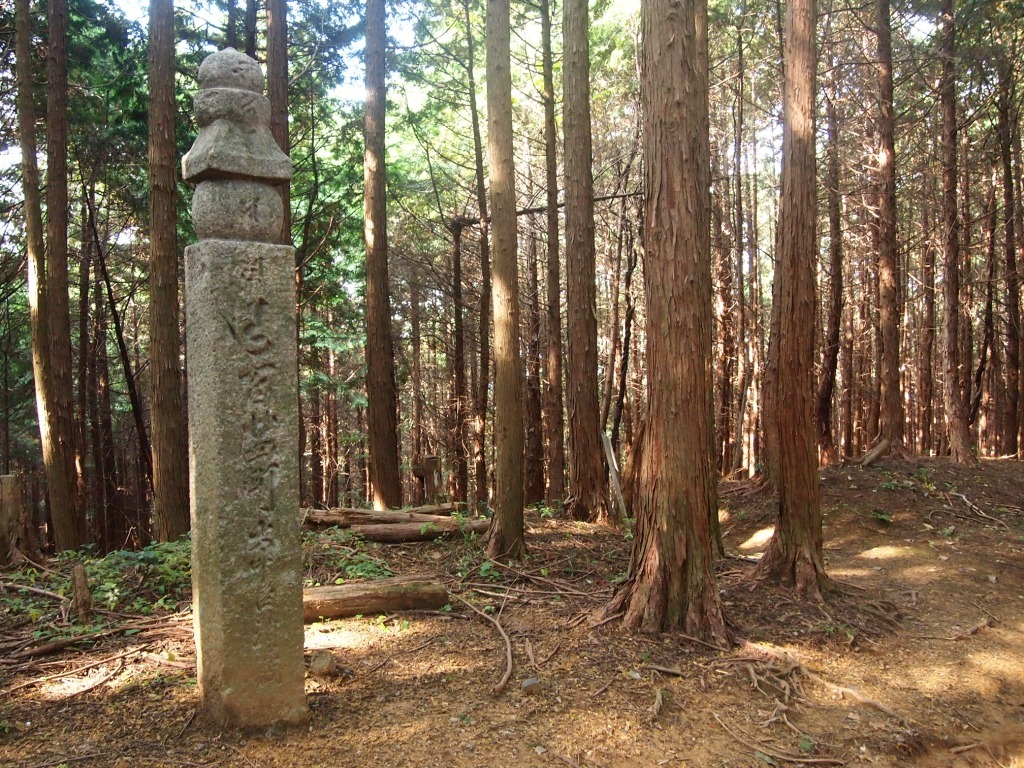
243 456
230 150
237 210
230 68
234 104
234 140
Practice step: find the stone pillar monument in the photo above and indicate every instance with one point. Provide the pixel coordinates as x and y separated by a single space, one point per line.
243 408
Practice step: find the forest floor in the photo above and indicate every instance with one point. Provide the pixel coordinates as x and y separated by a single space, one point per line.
920 662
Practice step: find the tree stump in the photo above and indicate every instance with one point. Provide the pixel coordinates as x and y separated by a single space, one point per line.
17 534
81 600
428 472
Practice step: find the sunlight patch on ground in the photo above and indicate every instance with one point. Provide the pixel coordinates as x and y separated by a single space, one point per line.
850 573
759 539
998 665
886 552
333 635
66 687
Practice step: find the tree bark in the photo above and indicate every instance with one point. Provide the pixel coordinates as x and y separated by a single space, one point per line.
589 492
231 25
533 478
57 306
671 583
483 332
926 383
170 431
401 593
277 94
955 408
891 402
794 553
381 394
57 454
830 363
506 535
460 466
1011 417
250 28
554 424
419 489
400 533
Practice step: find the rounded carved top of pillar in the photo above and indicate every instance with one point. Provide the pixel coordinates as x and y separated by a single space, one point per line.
231 69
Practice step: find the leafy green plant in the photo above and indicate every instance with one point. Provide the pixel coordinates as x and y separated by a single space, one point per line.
342 555
884 517
489 571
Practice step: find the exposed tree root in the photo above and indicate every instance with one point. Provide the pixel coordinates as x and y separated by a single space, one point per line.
764 749
792 665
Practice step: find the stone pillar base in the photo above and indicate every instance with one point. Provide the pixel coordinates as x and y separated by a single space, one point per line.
243 455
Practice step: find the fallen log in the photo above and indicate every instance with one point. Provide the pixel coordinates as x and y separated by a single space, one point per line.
401 593
398 533
875 453
446 509
346 518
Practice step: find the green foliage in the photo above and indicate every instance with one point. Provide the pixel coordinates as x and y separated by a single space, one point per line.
489 571
156 578
153 580
335 556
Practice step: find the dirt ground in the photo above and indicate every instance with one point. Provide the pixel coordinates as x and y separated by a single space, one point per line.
919 663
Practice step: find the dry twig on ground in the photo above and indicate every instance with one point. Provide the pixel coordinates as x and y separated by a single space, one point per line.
500 686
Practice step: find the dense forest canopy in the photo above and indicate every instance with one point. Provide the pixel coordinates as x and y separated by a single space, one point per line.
919 226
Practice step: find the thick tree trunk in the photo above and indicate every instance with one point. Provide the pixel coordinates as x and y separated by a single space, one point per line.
506 534
926 383
1011 418
367 598
955 408
483 333
671 583
170 431
231 25
381 394
744 372
250 28
891 402
69 527
554 425
794 553
85 476
587 486
277 94
57 450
